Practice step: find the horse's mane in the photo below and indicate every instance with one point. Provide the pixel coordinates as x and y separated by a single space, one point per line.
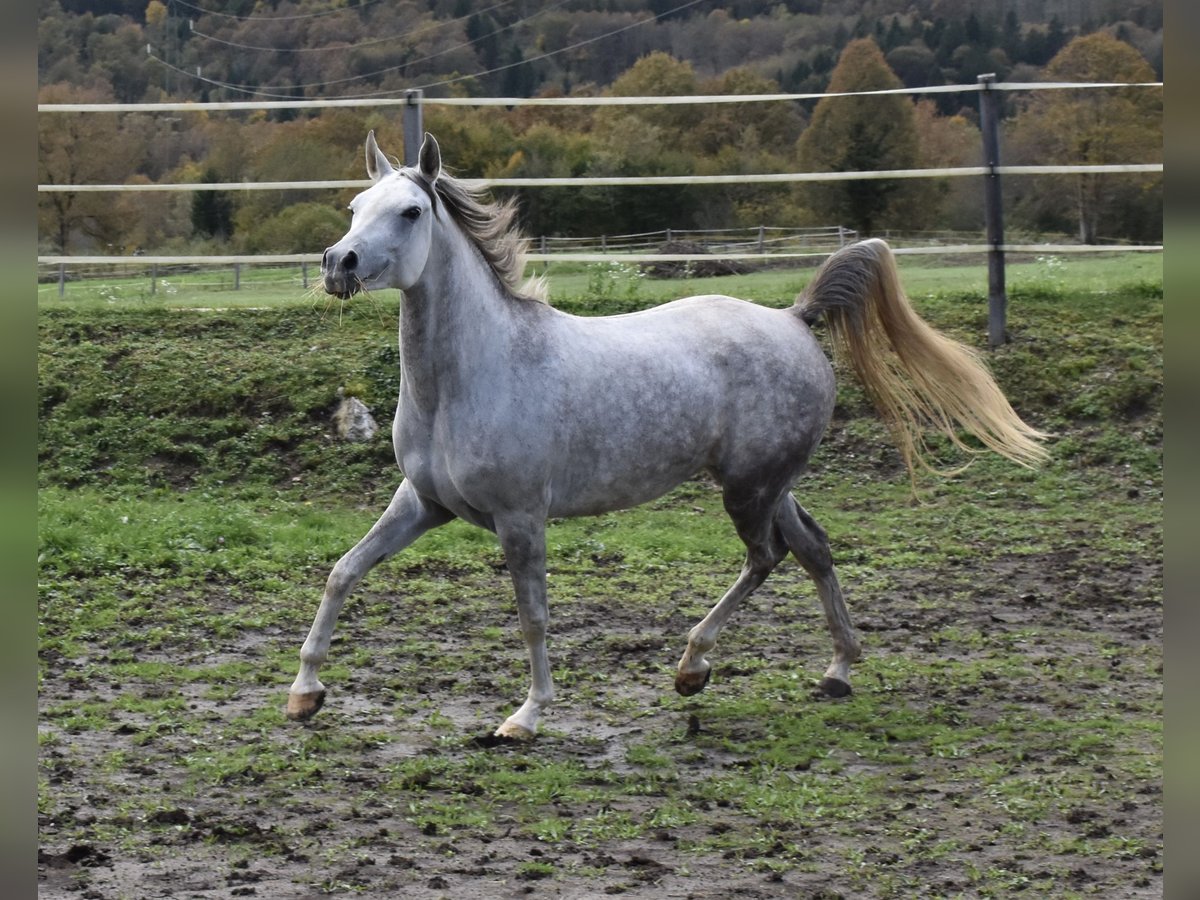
491 227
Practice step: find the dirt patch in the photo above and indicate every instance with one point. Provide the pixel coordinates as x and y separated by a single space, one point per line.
131 810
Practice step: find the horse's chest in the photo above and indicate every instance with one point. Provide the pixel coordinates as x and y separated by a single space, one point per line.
449 459
418 452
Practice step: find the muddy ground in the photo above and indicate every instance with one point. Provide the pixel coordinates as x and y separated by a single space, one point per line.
125 816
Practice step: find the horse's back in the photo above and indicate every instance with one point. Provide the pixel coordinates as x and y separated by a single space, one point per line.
722 344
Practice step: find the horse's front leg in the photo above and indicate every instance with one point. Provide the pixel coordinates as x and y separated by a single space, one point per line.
523 539
407 517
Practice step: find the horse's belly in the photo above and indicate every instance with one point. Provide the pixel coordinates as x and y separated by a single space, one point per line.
605 484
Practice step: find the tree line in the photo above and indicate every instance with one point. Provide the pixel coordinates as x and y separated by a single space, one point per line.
829 135
287 48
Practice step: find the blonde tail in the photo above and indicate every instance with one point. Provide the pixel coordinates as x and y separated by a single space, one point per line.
917 377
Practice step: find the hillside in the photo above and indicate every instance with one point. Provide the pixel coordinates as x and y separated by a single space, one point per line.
277 50
134 52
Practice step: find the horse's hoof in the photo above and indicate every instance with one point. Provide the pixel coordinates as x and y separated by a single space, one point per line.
834 687
689 683
301 707
511 731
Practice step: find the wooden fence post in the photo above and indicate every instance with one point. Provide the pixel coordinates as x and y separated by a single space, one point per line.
153 278
414 126
62 279
989 127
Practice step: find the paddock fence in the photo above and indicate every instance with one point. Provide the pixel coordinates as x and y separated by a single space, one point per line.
763 244
162 275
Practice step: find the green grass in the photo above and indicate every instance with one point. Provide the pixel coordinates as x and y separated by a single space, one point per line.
606 287
1005 732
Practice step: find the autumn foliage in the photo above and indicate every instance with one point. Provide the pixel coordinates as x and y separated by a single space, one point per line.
90 57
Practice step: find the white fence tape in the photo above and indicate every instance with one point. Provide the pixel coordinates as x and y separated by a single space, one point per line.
675 100
614 181
417 98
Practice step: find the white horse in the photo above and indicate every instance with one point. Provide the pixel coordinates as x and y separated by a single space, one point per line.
511 412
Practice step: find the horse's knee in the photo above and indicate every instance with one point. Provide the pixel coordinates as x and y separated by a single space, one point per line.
534 619
339 583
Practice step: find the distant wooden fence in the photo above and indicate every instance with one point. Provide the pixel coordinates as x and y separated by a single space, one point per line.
550 249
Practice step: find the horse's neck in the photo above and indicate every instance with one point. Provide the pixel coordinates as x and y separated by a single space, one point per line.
454 316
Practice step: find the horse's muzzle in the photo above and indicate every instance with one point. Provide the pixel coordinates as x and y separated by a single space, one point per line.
339 272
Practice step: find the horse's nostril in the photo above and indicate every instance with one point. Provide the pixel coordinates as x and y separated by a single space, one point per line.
350 261
325 260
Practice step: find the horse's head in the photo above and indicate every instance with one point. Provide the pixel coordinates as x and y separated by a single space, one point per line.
389 237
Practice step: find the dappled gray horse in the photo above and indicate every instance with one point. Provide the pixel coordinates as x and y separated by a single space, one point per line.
511 412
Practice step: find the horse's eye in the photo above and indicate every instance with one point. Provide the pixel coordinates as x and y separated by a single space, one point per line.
412 213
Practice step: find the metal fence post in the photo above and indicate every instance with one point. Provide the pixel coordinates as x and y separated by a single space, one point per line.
414 127
62 279
989 127
237 276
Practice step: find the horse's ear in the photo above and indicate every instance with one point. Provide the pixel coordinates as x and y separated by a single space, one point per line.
378 164
430 159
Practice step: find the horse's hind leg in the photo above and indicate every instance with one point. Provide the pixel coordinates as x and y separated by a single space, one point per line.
764 551
807 540
407 517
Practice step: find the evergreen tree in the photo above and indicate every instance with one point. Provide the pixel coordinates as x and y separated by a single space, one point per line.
1056 36
481 32
850 134
212 211
1010 36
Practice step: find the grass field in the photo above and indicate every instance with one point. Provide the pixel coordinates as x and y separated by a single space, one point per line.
608 284
1004 737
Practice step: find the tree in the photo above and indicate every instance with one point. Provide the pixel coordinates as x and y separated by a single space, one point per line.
152 220
851 134
646 140
1095 127
212 211
949 142
547 151
301 228
658 74
915 64
156 13
1010 36
118 62
80 148
776 125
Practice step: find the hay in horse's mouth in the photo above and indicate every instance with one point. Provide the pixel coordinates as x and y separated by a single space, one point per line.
354 283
